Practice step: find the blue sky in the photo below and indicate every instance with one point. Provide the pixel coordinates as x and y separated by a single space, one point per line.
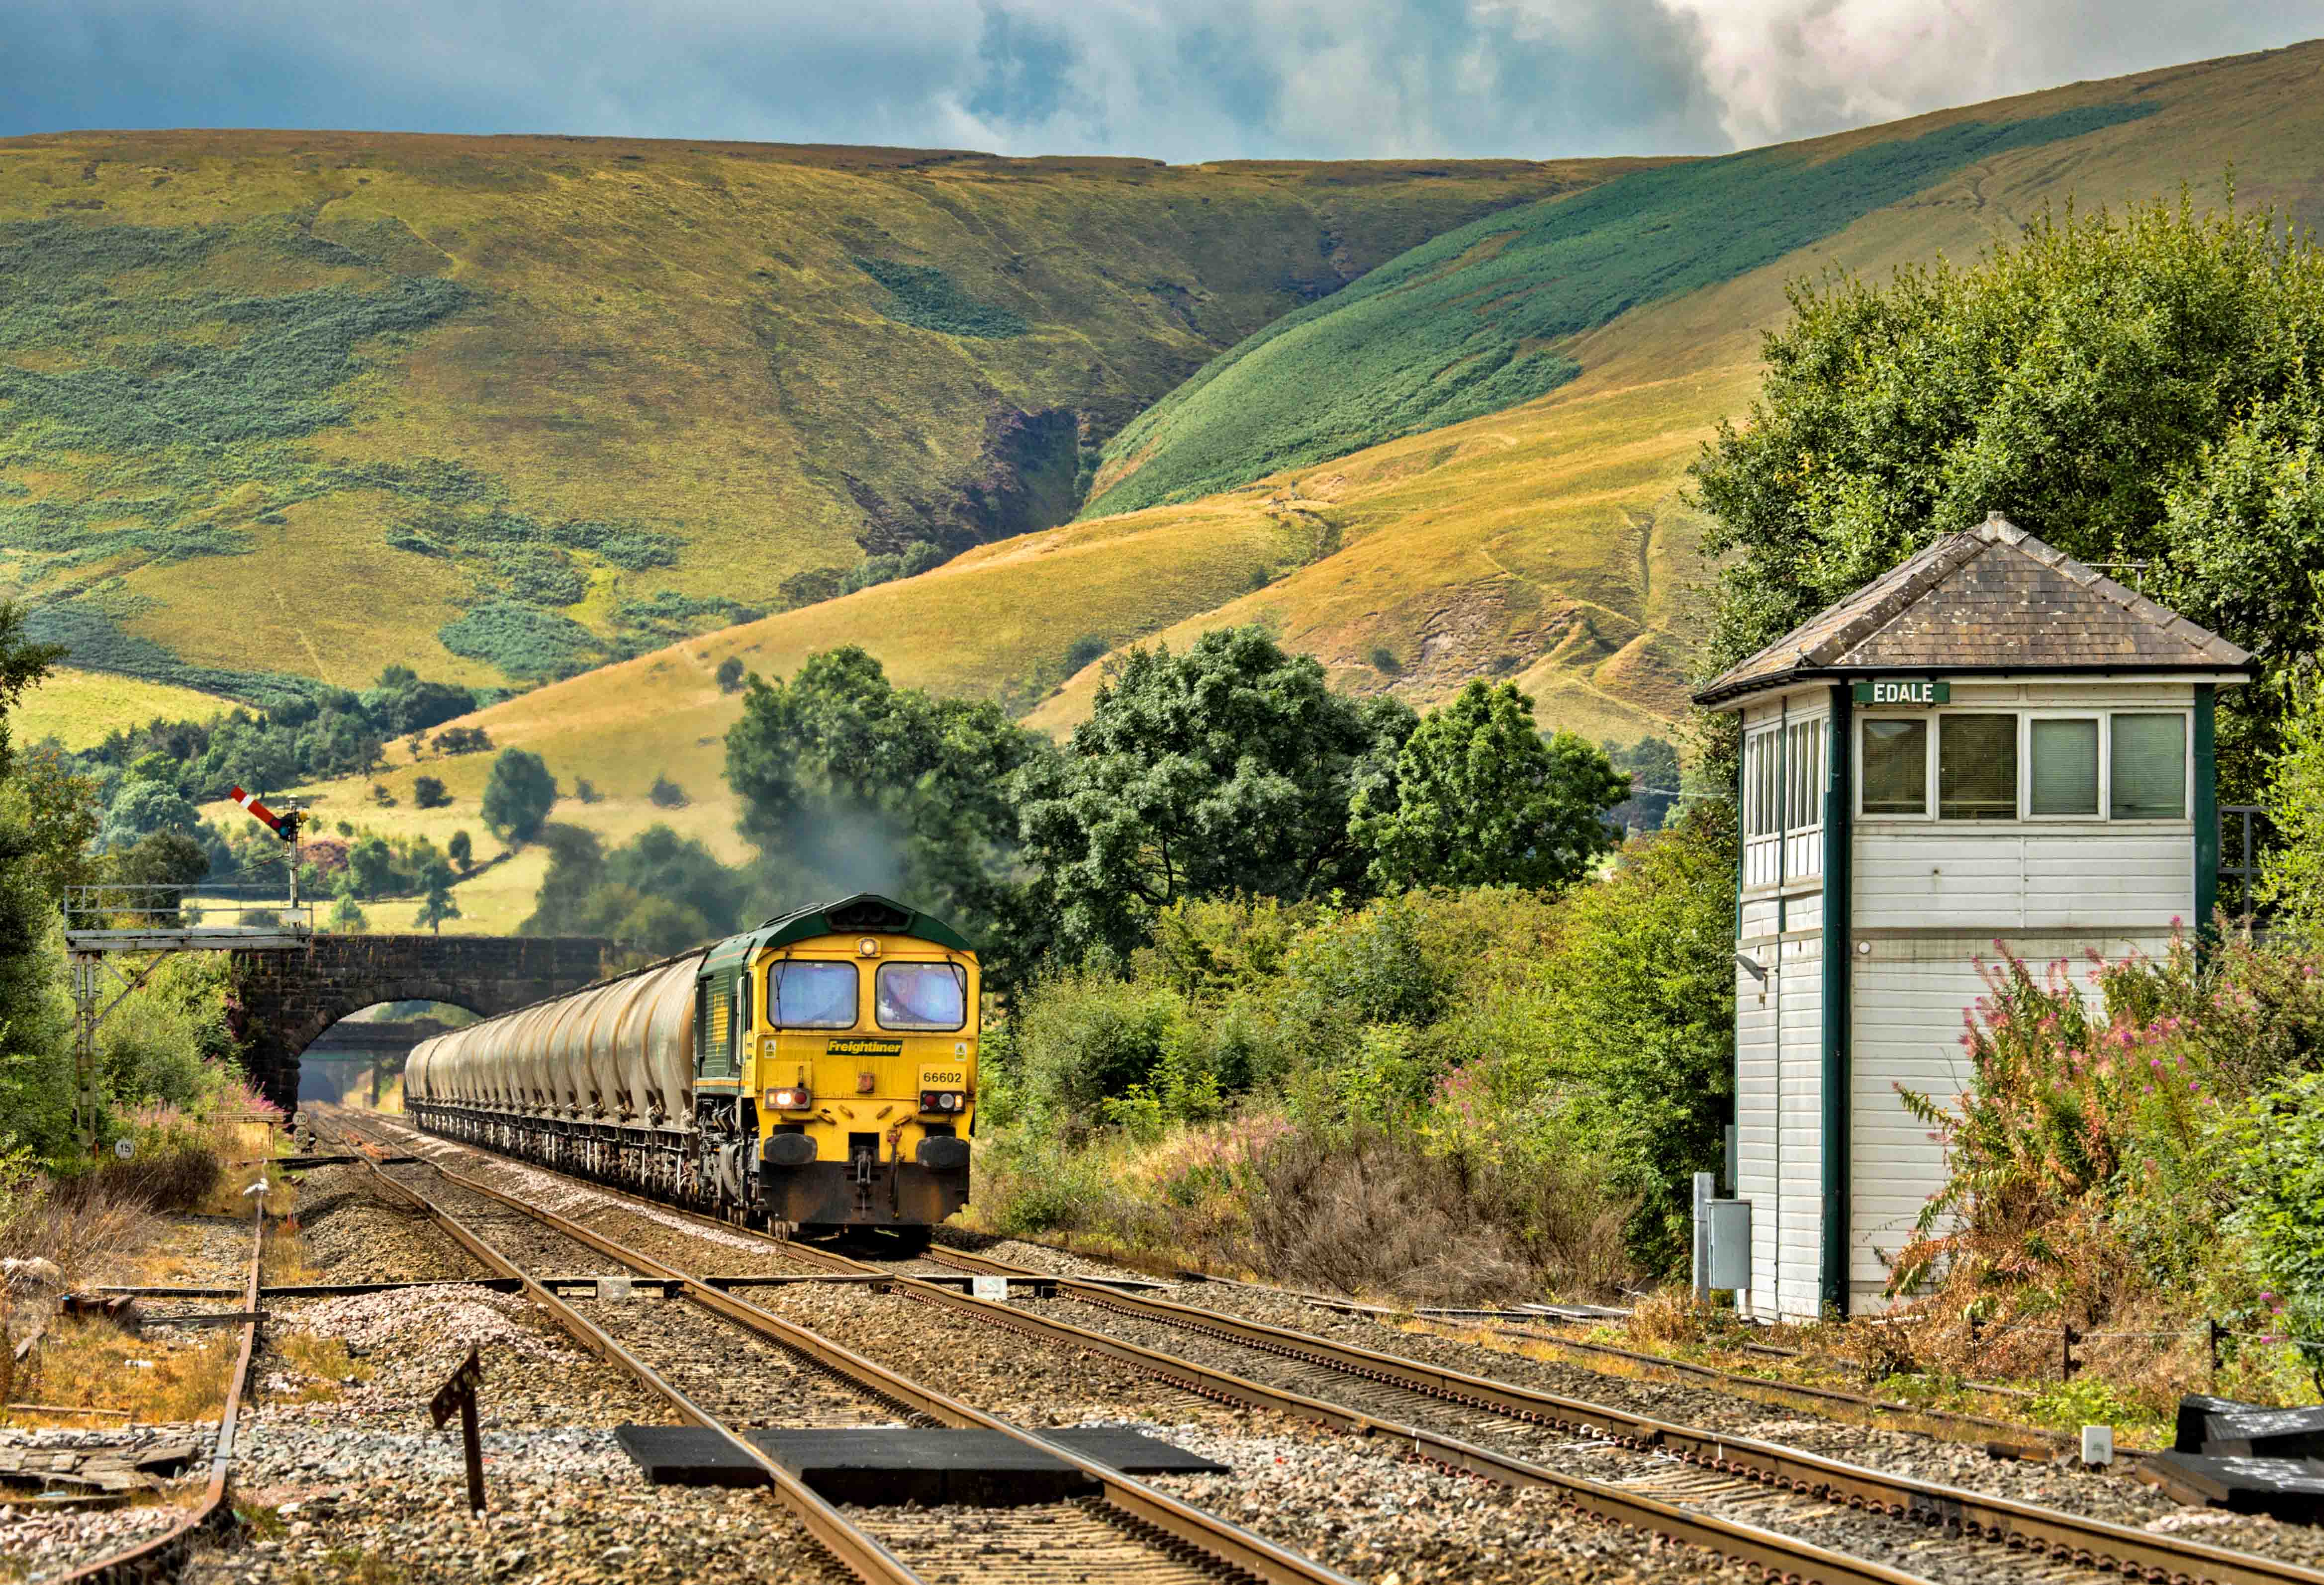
1174 79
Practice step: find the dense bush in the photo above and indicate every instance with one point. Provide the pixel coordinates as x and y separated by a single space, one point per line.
2134 1149
929 299
523 640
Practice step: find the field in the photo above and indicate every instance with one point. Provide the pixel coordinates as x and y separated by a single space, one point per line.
507 408
78 708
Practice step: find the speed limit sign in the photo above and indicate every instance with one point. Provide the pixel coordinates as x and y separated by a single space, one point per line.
125 1148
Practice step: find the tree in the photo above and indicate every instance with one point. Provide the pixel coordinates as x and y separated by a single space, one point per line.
347 918
462 850
730 674
461 739
2144 388
1481 799
428 793
371 868
140 808
2293 874
519 796
1641 1018
658 894
850 783
1651 765
436 904
667 794
1229 768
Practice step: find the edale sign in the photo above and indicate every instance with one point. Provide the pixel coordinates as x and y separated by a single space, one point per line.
1905 690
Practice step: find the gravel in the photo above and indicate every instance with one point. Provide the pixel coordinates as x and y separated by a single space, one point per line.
41 1542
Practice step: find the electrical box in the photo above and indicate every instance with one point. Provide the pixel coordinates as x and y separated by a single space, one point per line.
1731 1244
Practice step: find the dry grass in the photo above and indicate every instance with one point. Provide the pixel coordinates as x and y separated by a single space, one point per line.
90 1232
78 708
319 1367
168 1376
1377 1217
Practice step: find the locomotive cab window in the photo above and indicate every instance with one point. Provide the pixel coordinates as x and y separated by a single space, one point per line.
922 996
815 995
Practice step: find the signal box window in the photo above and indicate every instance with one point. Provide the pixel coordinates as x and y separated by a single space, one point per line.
2065 766
2149 767
1896 767
1977 768
814 996
922 996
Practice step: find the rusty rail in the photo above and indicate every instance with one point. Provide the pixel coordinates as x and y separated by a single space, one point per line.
1237 1549
160 1556
1780 1556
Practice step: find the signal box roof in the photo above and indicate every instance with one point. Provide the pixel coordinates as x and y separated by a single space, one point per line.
1992 600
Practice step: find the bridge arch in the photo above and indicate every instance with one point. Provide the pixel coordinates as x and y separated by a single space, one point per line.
283 1000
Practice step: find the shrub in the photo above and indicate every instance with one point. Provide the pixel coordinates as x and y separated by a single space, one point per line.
428 793
730 674
929 299
522 640
666 794
2276 1143
1084 1039
1086 650
462 739
1385 662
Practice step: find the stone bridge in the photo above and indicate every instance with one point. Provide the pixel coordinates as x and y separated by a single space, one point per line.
282 999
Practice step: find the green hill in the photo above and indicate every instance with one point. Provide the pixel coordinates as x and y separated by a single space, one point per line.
279 406
1476 321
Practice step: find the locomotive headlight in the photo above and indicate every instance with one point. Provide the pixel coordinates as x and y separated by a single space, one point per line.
791 1100
943 1100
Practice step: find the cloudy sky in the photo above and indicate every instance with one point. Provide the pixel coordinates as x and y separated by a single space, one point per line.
1176 79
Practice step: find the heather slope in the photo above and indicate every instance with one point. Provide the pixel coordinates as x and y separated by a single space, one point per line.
502 408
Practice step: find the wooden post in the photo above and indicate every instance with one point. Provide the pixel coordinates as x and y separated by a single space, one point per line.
2067 1364
2211 1324
460 1393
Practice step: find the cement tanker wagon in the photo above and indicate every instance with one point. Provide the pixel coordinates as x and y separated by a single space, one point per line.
819 1071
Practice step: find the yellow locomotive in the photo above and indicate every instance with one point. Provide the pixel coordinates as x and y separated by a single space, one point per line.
819 1071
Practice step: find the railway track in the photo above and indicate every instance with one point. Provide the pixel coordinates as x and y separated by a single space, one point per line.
1494 1428
1778 1555
160 1556
1132 1531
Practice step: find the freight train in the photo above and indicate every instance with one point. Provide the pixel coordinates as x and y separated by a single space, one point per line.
819 1071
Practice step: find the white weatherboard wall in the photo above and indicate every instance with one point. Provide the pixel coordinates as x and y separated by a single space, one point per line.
1932 900
1779 1022
1929 900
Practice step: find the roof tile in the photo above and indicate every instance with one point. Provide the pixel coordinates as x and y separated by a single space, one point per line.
1995 597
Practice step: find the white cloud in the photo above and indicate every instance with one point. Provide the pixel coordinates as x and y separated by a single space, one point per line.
1791 69
1176 79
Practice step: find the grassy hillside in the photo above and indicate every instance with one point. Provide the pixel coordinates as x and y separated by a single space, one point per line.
1547 543
504 407
1478 319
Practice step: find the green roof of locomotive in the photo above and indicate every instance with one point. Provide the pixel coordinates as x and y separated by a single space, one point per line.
866 913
